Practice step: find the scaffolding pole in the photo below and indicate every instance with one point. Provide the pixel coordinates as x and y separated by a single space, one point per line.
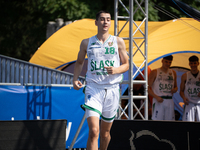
130 18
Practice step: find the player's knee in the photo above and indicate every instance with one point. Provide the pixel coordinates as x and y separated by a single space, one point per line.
105 134
94 133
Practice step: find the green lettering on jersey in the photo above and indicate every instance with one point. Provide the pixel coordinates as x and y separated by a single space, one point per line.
96 66
106 50
101 73
107 62
193 91
101 65
92 65
197 83
112 63
170 78
166 87
110 50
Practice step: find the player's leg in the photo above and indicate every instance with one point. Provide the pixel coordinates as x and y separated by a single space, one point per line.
105 134
110 107
93 124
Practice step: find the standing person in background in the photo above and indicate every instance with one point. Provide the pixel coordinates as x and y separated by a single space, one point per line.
190 91
162 84
103 76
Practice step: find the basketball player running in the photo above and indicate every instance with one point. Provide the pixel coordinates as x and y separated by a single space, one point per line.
103 76
162 84
190 91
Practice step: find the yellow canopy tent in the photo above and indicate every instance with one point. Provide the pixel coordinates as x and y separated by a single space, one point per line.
179 37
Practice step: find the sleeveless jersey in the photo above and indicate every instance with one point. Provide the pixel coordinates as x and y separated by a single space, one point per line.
101 55
192 87
163 83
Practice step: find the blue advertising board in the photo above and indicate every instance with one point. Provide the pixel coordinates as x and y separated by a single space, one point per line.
45 102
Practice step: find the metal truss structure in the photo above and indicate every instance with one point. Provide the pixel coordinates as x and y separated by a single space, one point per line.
135 48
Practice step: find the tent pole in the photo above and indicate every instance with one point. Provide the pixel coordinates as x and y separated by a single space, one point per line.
77 132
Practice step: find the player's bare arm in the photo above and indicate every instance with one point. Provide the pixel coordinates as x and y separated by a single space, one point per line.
79 64
123 58
174 90
182 88
151 79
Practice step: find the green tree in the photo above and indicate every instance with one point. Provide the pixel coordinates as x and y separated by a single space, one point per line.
23 22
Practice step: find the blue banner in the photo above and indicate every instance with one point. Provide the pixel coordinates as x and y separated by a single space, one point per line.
41 102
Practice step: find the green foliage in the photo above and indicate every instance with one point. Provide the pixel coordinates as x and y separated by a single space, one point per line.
23 22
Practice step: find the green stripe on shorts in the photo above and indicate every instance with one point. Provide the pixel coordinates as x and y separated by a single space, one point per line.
93 109
107 118
90 108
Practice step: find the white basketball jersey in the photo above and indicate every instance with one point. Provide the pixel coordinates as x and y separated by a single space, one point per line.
101 55
192 87
163 83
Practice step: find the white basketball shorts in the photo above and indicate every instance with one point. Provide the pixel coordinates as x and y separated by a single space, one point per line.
105 102
191 112
164 110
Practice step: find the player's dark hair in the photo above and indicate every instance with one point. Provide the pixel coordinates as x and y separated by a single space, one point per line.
170 57
193 58
101 11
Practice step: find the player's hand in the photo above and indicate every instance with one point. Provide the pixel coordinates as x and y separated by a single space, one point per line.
77 85
186 101
174 90
159 99
110 70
